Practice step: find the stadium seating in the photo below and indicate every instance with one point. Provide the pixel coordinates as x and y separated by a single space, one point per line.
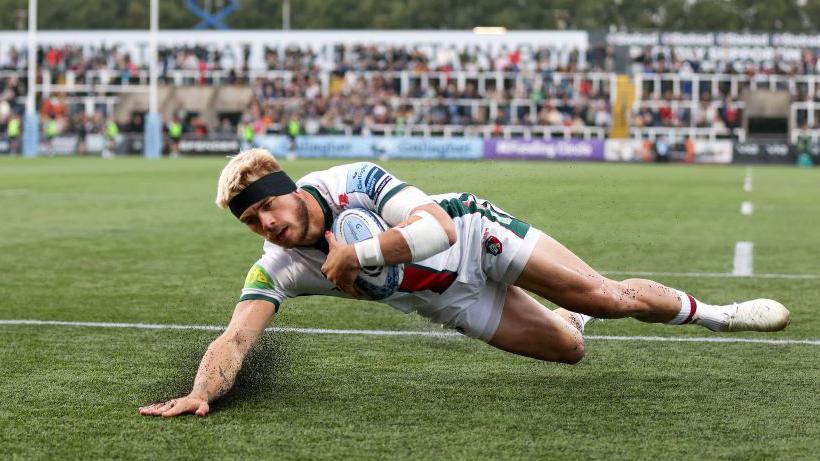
415 89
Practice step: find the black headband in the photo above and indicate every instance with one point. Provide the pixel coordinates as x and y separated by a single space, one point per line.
277 183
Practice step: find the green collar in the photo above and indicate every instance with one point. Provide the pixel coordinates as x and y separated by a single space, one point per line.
328 215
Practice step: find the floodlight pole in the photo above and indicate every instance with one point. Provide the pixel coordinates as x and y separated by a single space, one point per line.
153 121
31 122
286 15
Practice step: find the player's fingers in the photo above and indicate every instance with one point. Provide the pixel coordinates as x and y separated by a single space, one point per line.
331 239
180 407
350 289
358 293
150 406
203 409
153 409
154 406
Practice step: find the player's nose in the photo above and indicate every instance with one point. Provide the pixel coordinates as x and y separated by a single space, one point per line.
267 220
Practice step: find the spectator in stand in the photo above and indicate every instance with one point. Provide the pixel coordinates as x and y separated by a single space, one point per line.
174 129
294 130
13 133
80 127
112 133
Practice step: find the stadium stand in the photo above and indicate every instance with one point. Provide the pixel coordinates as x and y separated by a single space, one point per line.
402 84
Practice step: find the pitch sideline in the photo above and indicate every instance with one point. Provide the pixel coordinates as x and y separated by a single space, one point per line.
441 334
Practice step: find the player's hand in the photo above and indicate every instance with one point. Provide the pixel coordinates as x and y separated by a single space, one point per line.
176 407
341 266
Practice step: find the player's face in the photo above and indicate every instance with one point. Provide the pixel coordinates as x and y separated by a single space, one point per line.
281 220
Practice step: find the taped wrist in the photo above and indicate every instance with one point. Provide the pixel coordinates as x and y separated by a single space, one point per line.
369 253
425 237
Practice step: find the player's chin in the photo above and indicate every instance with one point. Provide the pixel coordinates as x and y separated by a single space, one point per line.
282 239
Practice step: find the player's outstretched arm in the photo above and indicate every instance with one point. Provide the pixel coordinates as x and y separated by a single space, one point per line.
221 362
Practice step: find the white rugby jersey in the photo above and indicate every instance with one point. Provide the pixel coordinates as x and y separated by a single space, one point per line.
432 287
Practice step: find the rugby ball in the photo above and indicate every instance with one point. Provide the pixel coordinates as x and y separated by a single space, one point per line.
359 224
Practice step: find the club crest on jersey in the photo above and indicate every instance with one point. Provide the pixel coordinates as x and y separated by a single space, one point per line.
493 245
343 202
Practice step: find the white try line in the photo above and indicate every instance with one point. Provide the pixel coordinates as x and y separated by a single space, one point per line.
13 192
714 275
441 334
747 208
747 181
743 259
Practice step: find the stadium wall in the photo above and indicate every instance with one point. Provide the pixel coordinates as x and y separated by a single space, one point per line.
462 148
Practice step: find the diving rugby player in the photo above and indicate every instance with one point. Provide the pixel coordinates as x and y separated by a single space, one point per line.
468 265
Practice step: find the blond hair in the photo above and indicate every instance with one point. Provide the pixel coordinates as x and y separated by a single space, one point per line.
243 169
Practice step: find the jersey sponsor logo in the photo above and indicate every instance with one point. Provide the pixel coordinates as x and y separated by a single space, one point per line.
381 187
367 178
259 279
493 245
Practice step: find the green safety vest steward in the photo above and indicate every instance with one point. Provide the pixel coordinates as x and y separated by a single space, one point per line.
51 127
13 129
247 132
803 144
293 128
175 129
112 130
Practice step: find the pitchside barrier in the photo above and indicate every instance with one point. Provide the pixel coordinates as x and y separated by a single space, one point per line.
456 148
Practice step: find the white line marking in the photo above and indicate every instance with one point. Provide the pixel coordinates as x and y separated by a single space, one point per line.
747 181
442 334
13 192
713 275
743 259
746 208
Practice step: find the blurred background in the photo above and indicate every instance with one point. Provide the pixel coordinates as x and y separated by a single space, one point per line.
710 81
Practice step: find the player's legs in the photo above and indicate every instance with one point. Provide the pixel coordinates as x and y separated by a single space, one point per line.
554 272
527 328
557 274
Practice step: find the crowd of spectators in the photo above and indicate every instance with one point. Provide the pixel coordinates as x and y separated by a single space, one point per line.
351 87
662 60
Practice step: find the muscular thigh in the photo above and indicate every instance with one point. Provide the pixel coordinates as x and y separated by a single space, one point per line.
527 328
557 274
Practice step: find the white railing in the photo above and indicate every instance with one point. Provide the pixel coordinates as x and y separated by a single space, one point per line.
814 135
487 131
89 102
808 111
733 85
681 134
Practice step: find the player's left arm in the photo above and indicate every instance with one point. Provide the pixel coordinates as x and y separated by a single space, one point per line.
420 230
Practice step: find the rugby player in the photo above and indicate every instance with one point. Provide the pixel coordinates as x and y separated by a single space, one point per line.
468 266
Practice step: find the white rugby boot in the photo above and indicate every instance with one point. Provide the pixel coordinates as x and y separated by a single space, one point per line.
756 315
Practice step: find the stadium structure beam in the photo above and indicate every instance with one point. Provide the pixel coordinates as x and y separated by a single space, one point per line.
152 145
31 122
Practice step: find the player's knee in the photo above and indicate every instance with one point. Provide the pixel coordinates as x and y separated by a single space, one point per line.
574 354
571 350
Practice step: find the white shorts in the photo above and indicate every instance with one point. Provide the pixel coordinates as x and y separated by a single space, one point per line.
472 277
480 319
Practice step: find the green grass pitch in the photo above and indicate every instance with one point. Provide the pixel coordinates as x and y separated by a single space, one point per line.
131 240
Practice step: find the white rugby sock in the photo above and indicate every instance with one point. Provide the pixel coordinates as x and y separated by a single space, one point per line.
712 317
581 320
